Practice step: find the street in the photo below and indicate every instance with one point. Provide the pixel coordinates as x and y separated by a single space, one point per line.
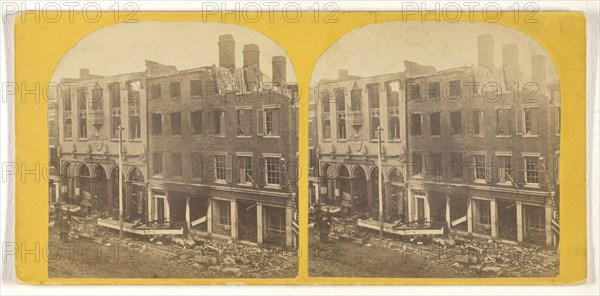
165 258
392 258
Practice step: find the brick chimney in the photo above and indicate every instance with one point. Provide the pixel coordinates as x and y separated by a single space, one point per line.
226 51
485 46
279 74
538 70
342 74
251 55
84 73
510 63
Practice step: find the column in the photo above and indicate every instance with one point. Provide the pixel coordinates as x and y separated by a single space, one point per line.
151 215
234 220
334 186
289 236
494 218
409 204
109 197
448 218
167 208
209 220
57 191
387 210
519 222
128 199
92 194
317 193
259 223
188 220
370 194
548 224
351 196
427 209
469 215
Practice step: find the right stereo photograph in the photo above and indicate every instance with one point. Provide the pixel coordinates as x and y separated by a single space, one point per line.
434 153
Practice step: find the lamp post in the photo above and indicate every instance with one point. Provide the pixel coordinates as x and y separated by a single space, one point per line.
379 185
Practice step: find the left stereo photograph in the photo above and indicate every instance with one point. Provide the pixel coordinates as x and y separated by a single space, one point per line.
173 153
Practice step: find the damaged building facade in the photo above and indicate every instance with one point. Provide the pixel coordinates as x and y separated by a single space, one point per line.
484 147
90 110
211 150
223 146
474 149
349 111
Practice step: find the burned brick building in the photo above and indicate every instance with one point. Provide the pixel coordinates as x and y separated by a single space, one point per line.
90 110
484 148
474 150
222 148
349 111
211 150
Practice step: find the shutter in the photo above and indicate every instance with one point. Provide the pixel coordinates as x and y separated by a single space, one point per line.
520 170
200 159
276 122
210 123
260 172
209 173
283 174
260 122
488 169
481 123
534 121
168 168
469 122
228 169
427 163
204 127
519 121
223 123
542 174
464 166
509 127
472 175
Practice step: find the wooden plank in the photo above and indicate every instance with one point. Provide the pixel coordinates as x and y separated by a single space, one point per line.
127 227
387 227
199 221
459 220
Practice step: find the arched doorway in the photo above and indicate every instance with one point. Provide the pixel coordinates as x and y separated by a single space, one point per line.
84 186
344 186
360 190
374 177
137 202
397 200
66 183
327 193
100 190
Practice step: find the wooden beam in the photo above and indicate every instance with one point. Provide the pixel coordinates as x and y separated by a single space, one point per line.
459 220
199 221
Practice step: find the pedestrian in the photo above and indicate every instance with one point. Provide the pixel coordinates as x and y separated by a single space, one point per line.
324 229
68 221
62 224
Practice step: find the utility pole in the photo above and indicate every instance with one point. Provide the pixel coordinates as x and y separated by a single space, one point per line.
120 182
380 177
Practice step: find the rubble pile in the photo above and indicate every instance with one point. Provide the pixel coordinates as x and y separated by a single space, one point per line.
477 257
217 258
459 256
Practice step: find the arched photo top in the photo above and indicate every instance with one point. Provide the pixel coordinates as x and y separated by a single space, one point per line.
388 47
128 47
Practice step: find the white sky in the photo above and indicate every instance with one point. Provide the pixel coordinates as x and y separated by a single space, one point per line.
382 48
122 48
